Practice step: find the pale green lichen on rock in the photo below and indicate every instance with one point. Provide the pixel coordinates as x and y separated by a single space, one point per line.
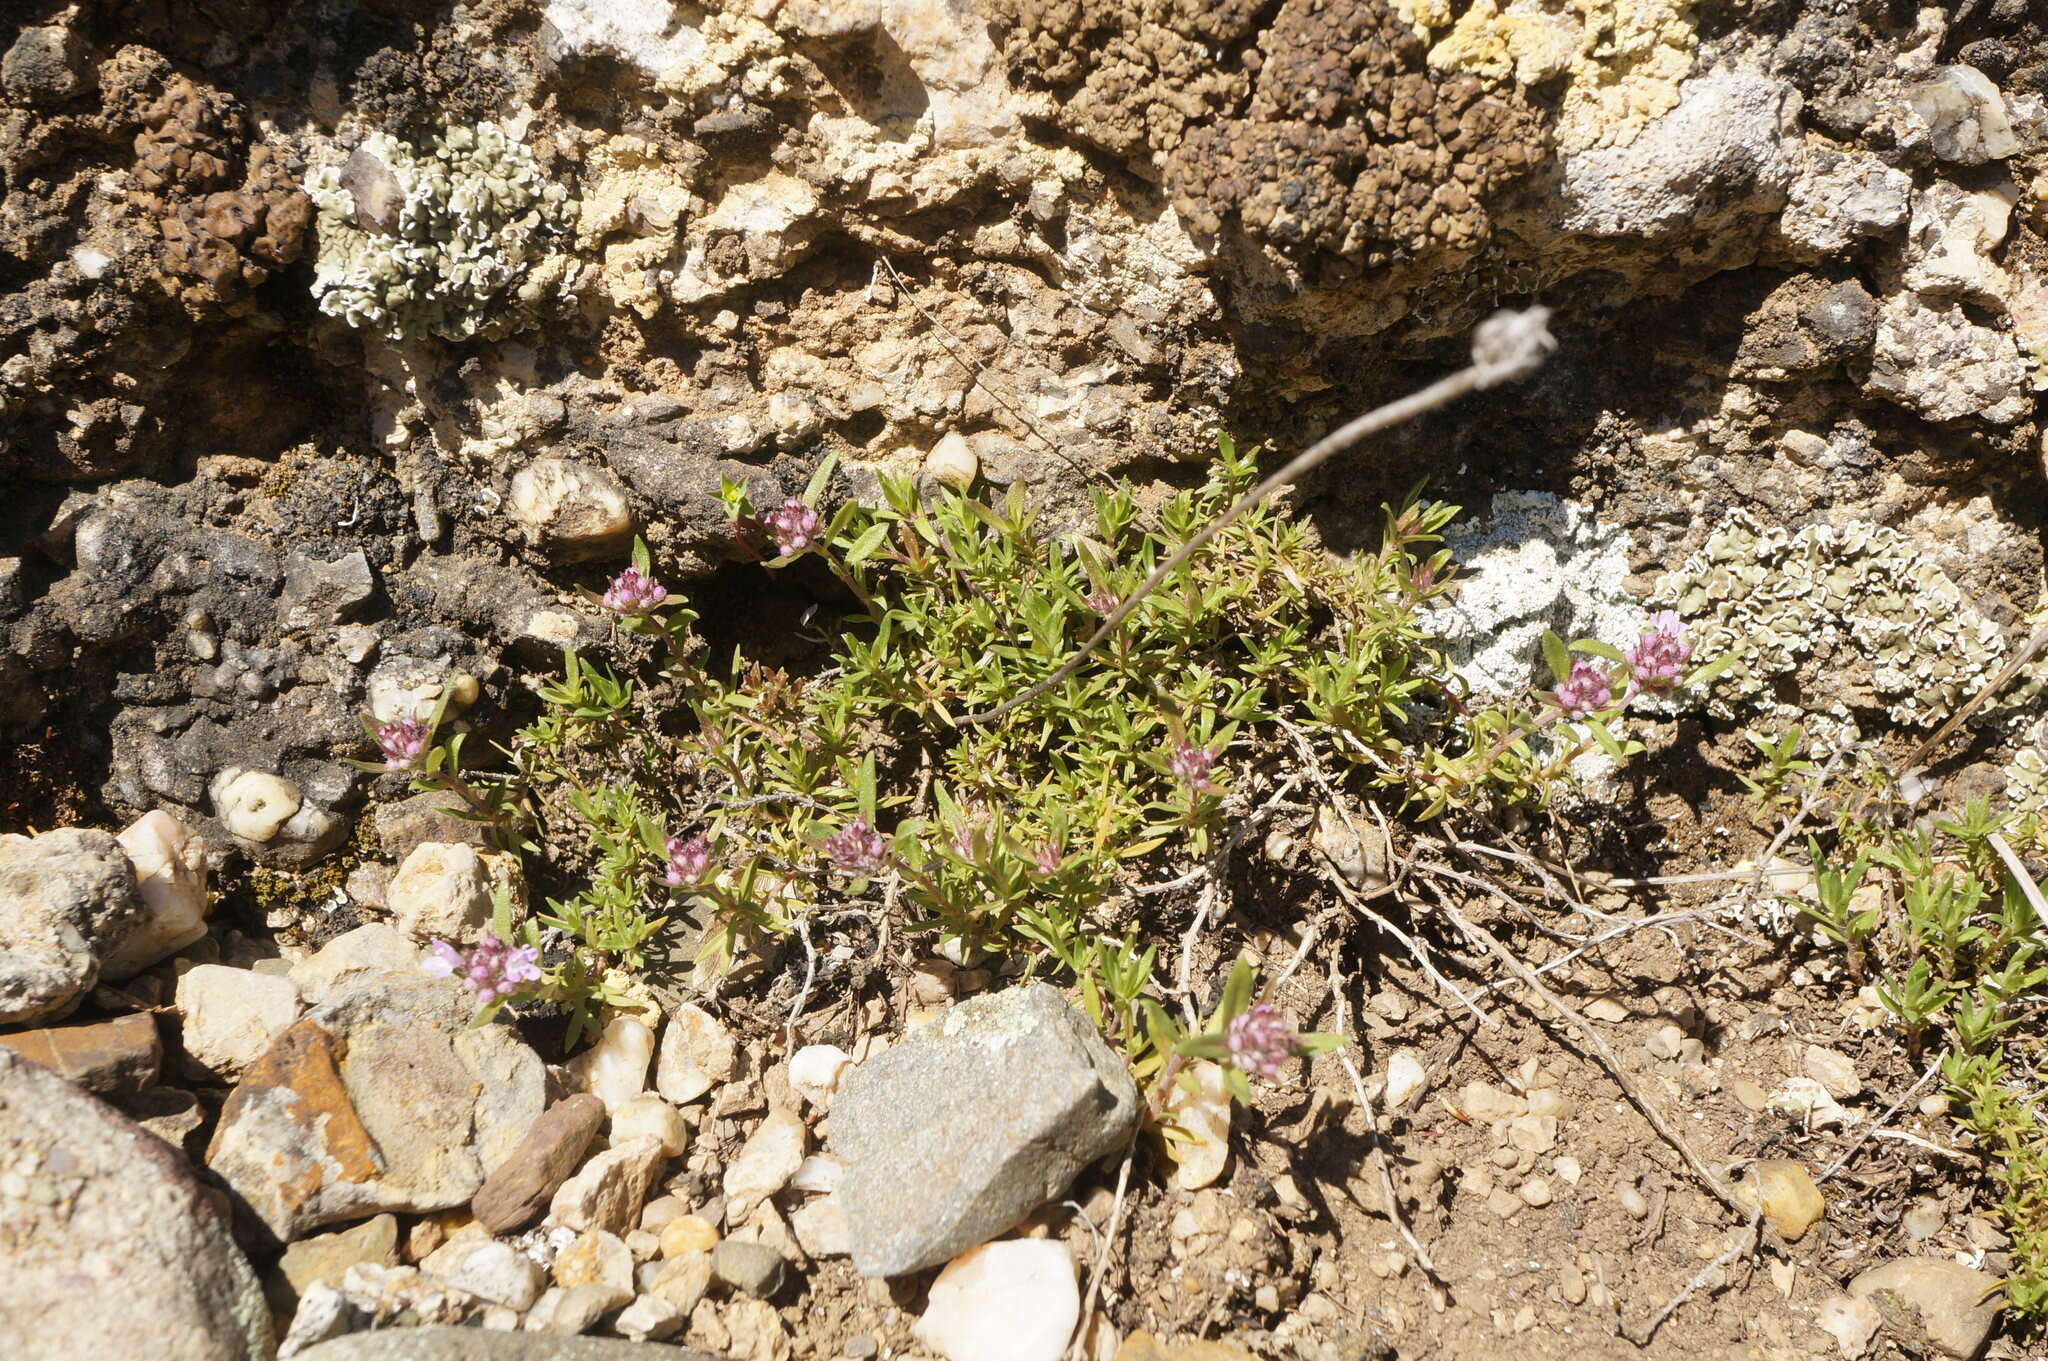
1895 632
468 248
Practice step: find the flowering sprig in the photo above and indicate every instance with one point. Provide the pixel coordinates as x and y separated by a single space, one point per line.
491 970
794 527
1190 765
1585 690
1261 1041
688 861
857 849
1657 660
633 592
403 742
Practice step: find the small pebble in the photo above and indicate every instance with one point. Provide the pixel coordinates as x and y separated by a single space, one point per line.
1922 1219
859 1347
1665 1042
1632 1201
1536 1192
687 1234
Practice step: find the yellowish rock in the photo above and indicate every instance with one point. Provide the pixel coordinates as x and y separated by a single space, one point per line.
1792 1203
687 1234
1200 1106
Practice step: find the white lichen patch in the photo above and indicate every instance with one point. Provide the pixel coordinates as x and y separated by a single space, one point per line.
1623 59
2026 776
1534 562
456 238
1854 614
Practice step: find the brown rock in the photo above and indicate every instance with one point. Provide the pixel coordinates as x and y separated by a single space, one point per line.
1143 1346
609 1191
109 1057
520 1188
322 1259
384 1098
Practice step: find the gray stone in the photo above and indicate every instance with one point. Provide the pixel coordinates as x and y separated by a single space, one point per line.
477 1344
1930 358
1932 1303
501 1274
45 66
1721 154
68 899
317 593
970 1123
111 1248
754 1268
519 1188
384 1098
1965 116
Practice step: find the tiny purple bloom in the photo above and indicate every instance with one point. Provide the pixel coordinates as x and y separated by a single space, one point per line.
1658 658
1261 1040
1190 765
794 526
489 970
1103 603
857 848
1585 691
1048 858
402 742
687 861
634 592
445 961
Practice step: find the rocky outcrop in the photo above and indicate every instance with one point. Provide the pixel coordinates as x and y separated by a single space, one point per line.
94 1210
382 1099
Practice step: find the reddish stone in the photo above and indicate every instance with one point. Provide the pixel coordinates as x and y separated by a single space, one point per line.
109 1057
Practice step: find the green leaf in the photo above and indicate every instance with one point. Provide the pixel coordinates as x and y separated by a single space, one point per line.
1593 647
1557 656
1237 994
863 548
820 479
642 559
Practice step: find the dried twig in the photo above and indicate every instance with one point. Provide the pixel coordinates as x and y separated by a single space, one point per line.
1601 1049
1874 1126
1508 345
1438 1294
1712 1276
1104 1247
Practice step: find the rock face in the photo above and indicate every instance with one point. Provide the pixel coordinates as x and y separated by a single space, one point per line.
382 1099
114 1250
972 1122
67 900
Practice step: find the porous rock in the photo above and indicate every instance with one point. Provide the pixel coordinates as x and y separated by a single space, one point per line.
67 900
113 1249
383 1098
965 1126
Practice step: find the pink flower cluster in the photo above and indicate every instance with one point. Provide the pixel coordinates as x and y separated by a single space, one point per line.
687 861
857 848
402 742
1261 1040
1587 690
794 526
1190 765
1658 658
490 969
633 592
